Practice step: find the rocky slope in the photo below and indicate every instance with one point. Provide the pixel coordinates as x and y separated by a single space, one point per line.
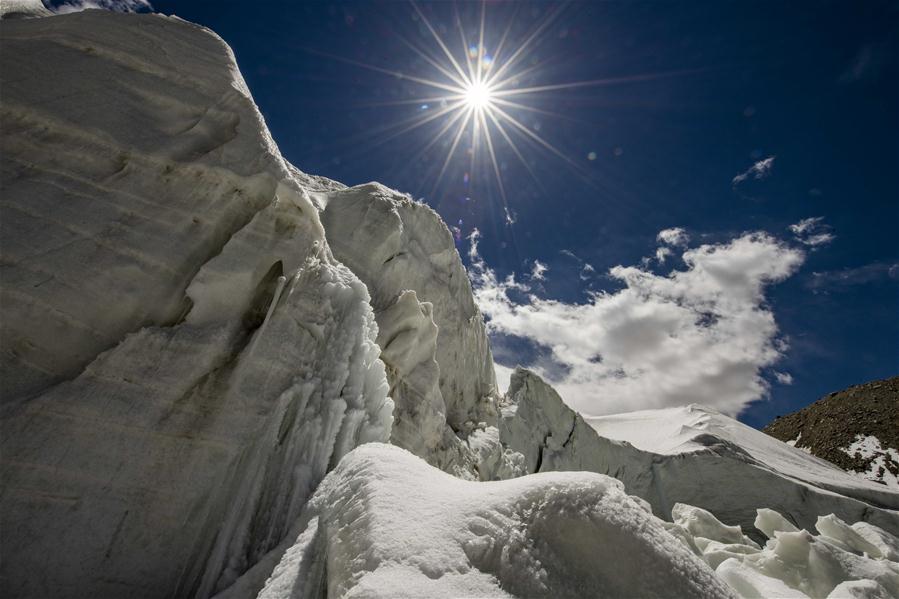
857 429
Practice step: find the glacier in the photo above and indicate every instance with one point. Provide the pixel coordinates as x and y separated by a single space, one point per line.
660 455
388 525
221 376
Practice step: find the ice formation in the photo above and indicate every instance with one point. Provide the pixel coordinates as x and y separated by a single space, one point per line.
423 302
186 358
660 454
196 333
385 524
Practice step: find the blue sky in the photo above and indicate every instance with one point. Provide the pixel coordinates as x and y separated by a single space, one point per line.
722 125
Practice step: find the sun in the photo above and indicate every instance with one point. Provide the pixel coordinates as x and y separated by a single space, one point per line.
482 88
478 95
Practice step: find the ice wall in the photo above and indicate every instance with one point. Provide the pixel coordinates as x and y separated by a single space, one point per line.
432 335
688 455
183 358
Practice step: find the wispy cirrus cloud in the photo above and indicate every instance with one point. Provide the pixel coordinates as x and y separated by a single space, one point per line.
757 172
812 232
703 334
847 277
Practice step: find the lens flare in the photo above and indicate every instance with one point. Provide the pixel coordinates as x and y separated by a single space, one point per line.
478 99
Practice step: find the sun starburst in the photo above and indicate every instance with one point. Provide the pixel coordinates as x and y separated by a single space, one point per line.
477 99
479 96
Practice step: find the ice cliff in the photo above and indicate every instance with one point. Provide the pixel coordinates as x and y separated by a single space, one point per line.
669 456
204 351
185 353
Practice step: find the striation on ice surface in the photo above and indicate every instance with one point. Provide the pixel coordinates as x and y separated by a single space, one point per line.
432 335
660 455
386 524
183 358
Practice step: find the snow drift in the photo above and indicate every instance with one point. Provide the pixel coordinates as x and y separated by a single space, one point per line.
385 524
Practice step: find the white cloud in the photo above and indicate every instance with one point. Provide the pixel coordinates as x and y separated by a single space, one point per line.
812 231
702 335
114 5
674 236
587 270
662 254
784 378
758 171
847 277
538 271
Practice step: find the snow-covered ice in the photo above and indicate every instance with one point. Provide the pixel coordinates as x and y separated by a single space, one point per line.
389 525
196 333
434 343
183 358
661 454
838 562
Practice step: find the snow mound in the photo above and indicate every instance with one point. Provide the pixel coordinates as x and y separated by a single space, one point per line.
389 525
661 455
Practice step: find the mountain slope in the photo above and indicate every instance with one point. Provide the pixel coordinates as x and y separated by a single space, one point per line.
857 429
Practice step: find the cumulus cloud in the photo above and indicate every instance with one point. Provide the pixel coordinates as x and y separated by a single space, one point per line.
674 236
812 231
68 6
784 378
758 171
703 334
662 254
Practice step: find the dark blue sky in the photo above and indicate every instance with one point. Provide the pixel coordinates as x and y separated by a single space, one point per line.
715 88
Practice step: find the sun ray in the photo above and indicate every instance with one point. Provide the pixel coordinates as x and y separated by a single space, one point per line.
508 63
464 41
420 101
516 151
518 106
499 178
413 123
440 43
479 74
502 40
487 99
433 62
378 69
522 128
595 82
452 149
